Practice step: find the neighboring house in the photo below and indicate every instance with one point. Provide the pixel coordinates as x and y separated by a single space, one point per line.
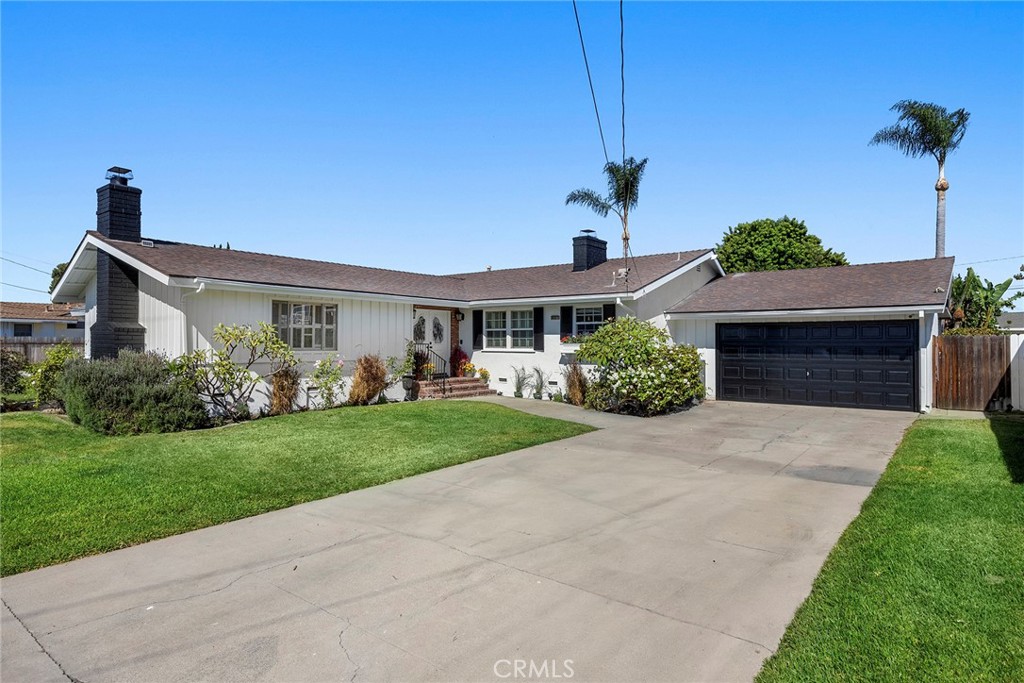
168 297
32 328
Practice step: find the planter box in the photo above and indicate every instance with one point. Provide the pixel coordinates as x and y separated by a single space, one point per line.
568 348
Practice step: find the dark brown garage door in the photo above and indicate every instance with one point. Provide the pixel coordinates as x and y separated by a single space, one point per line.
862 364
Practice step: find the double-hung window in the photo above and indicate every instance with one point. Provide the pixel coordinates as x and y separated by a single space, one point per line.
307 326
588 319
508 329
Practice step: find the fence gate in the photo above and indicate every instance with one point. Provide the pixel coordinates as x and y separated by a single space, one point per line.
971 372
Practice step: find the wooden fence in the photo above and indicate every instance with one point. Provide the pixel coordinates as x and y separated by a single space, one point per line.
35 348
972 373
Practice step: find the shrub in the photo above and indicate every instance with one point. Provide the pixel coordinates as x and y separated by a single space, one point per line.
520 381
640 371
328 380
458 362
369 380
576 383
45 376
284 390
133 393
225 384
12 364
972 332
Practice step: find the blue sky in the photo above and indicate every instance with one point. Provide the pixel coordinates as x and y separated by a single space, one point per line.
444 137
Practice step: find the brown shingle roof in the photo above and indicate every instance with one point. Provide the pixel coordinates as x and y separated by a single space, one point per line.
22 310
560 280
188 260
899 283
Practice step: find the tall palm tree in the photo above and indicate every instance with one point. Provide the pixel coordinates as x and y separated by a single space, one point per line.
623 192
925 128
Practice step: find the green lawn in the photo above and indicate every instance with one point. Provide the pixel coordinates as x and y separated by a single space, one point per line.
927 584
66 492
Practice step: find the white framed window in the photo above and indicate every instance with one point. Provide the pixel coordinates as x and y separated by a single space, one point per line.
508 329
307 326
495 329
588 319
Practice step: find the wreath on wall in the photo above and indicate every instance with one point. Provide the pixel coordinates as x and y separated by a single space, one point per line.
419 330
438 331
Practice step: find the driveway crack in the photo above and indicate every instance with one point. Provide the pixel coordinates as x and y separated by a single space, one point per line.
40 645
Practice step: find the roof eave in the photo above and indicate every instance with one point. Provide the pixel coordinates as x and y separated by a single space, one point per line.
808 312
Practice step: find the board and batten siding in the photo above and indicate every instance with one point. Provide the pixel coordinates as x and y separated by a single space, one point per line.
161 315
364 327
700 332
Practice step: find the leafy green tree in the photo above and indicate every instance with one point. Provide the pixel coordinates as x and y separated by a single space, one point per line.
766 244
56 274
976 304
623 193
924 128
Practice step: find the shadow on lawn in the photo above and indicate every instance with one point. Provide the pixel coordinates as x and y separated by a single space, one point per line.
1009 433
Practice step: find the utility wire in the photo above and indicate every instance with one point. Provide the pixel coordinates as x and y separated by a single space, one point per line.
24 266
622 76
8 284
593 95
992 260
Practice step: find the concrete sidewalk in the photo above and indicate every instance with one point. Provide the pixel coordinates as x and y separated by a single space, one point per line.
674 548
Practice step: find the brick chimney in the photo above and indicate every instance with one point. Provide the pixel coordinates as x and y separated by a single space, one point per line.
588 251
119 217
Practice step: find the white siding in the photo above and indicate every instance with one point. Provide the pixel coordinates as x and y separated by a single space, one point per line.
160 314
90 314
701 333
1017 371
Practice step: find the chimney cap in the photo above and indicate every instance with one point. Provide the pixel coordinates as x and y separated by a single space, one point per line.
587 231
117 172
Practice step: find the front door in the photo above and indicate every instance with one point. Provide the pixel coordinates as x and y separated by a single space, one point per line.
432 326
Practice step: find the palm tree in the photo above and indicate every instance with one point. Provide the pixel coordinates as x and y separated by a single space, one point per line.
925 128
623 192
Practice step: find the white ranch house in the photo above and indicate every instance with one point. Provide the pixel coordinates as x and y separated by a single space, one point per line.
856 336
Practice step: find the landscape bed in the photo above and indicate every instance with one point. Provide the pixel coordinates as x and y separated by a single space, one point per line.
68 492
927 583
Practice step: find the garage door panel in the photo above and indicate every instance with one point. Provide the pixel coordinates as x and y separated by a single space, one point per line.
871 364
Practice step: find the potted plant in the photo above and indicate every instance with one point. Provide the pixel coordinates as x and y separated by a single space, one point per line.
468 369
520 381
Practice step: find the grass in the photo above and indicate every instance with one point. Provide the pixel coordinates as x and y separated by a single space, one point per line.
68 492
927 583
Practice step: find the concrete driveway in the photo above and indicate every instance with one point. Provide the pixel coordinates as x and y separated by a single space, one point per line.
675 548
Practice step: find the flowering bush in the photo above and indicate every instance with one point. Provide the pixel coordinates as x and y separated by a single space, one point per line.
327 379
639 370
458 360
574 338
227 385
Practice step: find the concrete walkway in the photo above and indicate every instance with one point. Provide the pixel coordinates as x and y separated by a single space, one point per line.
675 549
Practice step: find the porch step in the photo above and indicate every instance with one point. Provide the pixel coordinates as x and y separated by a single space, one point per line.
458 387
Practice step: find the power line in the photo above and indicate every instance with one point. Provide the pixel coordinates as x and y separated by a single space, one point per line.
24 266
8 284
993 260
28 258
622 76
590 80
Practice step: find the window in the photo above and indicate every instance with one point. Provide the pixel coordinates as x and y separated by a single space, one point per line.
495 323
76 325
508 329
588 319
307 326
522 329
22 329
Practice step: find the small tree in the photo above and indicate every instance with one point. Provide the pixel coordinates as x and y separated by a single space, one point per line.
56 274
45 376
640 371
977 304
766 244
226 384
